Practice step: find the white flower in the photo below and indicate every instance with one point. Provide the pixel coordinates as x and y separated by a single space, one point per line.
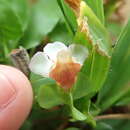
59 62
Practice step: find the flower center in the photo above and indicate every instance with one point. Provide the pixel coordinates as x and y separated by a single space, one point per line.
65 74
65 70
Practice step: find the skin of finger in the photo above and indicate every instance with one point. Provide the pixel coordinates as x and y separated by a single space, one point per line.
14 114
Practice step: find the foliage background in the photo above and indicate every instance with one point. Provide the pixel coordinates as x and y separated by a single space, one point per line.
103 85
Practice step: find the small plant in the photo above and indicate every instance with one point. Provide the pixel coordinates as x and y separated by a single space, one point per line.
79 63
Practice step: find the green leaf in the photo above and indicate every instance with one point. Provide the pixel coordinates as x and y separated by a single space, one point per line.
77 115
125 100
49 96
46 91
82 86
84 106
13 20
60 33
69 16
118 80
98 33
113 125
97 7
37 81
91 76
114 29
95 69
44 17
21 9
103 126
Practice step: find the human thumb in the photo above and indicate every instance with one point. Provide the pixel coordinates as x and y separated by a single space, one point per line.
15 98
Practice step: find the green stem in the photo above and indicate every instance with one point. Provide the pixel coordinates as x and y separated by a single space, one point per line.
68 24
6 51
77 115
92 65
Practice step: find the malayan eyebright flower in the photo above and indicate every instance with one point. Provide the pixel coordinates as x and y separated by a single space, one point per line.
59 62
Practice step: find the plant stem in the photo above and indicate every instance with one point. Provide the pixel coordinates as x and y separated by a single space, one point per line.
113 116
92 64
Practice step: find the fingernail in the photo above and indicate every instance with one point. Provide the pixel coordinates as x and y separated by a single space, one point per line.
7 91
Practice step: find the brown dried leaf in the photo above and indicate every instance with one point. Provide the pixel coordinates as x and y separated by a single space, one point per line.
74 4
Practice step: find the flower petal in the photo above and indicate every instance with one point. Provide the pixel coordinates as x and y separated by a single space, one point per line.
40 64
52 49
79 53
64 56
